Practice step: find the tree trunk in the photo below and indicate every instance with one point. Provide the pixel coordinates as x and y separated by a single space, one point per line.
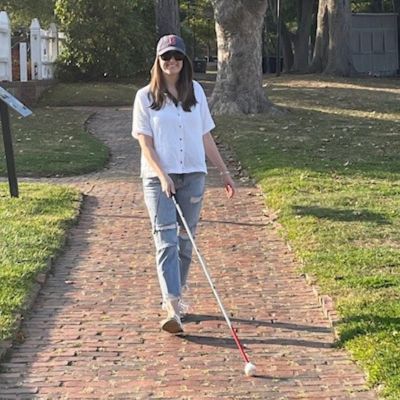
320 57
167 17
313 28
332 53
340 60
302 36
287 38
238 87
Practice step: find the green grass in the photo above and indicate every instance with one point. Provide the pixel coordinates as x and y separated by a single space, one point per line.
32 228
51 142
90 94
54 142
330 167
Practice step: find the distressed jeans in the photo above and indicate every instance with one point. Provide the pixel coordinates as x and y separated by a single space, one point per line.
173 246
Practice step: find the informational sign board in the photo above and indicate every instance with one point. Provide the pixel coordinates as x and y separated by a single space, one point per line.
14 103
7 100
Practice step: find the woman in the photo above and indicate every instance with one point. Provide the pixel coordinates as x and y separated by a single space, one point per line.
172 123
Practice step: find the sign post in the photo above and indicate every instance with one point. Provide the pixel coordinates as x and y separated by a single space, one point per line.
8 100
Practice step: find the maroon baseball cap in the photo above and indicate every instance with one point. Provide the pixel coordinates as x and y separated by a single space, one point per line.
170 43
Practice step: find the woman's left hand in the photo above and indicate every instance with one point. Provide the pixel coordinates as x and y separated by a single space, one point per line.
213 155
229 186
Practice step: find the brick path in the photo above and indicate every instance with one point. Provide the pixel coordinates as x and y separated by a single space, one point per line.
93 332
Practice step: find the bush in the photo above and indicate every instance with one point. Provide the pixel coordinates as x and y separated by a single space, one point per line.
105 39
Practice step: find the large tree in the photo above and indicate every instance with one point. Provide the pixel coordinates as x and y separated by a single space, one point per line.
238 87
167 17
332 52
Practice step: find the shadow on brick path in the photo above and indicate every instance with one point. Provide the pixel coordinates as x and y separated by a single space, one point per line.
93 332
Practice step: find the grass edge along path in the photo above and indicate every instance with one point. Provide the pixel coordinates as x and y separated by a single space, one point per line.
55 142
33 229
332 177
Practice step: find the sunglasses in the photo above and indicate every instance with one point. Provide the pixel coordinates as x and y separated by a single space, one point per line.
169 54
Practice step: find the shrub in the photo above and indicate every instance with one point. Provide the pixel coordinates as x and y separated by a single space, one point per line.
105 39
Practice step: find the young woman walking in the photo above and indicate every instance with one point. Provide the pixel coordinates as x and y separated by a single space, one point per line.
172 122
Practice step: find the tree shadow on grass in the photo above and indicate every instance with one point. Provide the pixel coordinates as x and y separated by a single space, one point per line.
341 215
361 325
299 147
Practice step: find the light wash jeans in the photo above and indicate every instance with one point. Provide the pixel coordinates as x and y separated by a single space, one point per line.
173 246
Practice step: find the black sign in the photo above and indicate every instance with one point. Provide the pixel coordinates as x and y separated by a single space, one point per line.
8 100
14 103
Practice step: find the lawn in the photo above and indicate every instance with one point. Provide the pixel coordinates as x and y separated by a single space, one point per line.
330 168
90 94
54 142
32 229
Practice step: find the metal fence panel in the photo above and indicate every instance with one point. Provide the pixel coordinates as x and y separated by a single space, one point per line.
375 44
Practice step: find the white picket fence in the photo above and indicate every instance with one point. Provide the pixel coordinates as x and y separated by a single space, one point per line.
44 48
5 48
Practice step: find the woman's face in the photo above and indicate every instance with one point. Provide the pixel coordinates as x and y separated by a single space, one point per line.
171 63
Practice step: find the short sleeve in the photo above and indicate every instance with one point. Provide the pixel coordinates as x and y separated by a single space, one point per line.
206 118
141 115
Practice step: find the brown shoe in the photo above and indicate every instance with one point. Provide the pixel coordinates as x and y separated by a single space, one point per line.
172 323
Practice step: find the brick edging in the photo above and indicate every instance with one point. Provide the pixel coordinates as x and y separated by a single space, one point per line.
325 301
327 304
39 281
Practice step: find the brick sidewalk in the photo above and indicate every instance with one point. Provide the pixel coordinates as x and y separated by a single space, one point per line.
94 330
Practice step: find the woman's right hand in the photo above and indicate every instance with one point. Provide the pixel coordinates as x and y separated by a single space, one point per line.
167 185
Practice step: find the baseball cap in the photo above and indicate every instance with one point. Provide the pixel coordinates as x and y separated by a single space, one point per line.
170 42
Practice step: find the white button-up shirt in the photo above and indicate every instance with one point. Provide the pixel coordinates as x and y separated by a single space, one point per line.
177 134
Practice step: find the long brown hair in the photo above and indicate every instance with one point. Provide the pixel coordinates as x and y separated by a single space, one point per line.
184 86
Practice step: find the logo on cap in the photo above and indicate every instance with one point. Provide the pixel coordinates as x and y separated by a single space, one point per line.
171 40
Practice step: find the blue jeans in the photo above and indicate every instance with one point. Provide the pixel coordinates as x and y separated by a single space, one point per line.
173 246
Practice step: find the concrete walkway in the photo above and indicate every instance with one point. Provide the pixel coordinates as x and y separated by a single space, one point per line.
94 330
